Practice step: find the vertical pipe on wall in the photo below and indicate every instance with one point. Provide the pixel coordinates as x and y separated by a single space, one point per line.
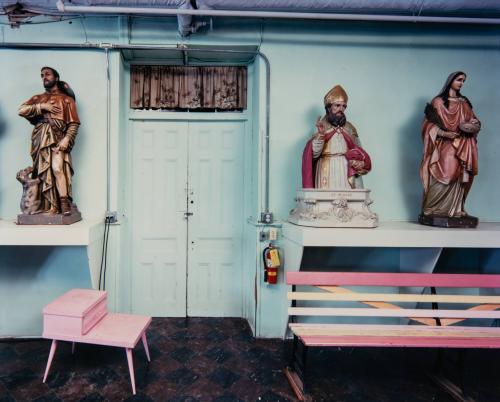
108 133
267 139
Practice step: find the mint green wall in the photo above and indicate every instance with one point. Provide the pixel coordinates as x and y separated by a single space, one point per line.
389 71
30 278
21 72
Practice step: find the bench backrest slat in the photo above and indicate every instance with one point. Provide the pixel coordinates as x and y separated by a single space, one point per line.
393 279
392 297
369 312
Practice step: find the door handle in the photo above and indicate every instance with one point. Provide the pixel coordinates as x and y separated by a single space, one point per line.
187 214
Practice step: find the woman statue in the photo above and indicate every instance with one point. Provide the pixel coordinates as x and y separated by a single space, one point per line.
450 156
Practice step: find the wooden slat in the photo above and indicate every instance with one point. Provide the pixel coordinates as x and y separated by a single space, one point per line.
482 307
393 330
338 289
426 321
366 312
400 341
393 297
393 279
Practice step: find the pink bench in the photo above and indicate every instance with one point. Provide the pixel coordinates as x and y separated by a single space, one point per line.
439 329
80 316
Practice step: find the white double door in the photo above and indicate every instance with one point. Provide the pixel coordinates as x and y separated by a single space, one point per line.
187 218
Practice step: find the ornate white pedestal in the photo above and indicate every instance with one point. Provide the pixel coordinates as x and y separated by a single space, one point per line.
333 208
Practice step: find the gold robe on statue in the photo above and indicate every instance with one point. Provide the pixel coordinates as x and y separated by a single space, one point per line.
50 128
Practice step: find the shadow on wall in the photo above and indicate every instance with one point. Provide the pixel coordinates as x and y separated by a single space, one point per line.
364 259
456 260
3 125
312 115
294 163
410 153
3 132
23 263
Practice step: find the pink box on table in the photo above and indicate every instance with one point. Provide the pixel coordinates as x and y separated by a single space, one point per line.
74 313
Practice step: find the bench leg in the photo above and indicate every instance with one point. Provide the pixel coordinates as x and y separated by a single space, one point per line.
458 392
52 352
461 367
131 368
296 372
145 343
304 368
439 361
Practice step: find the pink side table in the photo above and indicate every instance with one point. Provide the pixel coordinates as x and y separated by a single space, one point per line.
80 315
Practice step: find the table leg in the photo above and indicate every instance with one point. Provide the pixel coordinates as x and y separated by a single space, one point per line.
131 368
145 343
53 348
72 348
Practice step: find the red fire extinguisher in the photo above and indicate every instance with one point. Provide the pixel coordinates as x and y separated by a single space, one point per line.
271 264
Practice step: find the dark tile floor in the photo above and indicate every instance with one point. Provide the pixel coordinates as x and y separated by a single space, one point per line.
212 359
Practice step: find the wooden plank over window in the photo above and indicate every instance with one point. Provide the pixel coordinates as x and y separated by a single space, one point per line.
188 88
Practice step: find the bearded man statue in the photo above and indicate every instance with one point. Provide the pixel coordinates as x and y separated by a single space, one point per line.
333 157
55 123
333 162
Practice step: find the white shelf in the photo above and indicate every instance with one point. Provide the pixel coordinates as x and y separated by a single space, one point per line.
80 233
395 234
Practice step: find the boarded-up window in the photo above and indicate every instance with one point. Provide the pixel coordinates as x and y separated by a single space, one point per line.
181 88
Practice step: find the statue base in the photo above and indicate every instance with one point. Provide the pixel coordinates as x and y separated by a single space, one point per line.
467 221
333 208
50 219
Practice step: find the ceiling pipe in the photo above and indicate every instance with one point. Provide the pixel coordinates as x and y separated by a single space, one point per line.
62 7
107 46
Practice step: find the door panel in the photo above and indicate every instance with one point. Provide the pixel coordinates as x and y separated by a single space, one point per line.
215 197
179 167
158 224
